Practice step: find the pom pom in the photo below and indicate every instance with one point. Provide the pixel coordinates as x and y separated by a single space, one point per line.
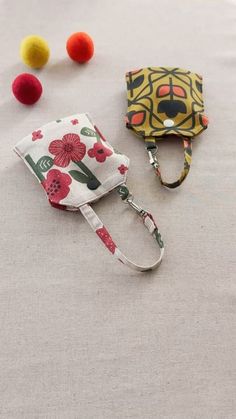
80 47
34 51
27 88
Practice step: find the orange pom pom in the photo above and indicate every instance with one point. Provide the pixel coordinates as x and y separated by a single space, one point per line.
80 47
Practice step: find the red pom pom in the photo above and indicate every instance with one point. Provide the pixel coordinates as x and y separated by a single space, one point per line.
27 88
80 47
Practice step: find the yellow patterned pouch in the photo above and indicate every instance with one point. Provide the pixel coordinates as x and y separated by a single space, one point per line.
164 101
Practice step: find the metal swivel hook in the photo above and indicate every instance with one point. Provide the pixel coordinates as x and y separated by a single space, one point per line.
137 208
152 154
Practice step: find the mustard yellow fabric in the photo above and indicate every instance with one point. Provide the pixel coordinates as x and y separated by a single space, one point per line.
163 101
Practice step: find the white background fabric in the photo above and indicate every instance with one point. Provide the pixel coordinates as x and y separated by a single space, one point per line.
81 336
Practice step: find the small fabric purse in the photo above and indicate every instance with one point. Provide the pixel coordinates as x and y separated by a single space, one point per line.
76 166
164 101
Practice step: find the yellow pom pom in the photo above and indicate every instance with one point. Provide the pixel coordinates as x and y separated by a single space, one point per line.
34 51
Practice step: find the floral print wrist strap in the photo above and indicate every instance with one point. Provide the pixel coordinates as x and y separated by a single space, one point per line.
104 235
76 166
164 102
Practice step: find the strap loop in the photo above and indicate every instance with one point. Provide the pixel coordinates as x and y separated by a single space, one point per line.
152 149
105 236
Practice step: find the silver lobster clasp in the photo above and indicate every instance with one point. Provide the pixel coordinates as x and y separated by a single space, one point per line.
152 154
137 208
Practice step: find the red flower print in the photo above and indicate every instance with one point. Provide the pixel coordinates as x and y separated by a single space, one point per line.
122 169
74 121
106 238
100 152
37 135
56 185
67 149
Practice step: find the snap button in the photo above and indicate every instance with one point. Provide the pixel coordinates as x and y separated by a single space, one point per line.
168 123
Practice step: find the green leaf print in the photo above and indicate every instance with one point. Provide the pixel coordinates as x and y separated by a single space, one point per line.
79 176
44 163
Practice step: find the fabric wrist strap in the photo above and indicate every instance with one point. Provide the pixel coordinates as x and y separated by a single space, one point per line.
152 152
104 235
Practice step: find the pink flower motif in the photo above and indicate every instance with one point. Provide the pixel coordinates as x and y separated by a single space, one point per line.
100 152
122 169
37 135
67 149
106 238
56 186
74 121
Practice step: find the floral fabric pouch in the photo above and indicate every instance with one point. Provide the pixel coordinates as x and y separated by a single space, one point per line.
164 101
76 166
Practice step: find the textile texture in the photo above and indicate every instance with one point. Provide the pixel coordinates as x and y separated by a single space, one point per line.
73 161
163 101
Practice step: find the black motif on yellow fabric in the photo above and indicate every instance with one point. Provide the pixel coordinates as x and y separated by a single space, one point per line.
199 86
171 107
170 99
